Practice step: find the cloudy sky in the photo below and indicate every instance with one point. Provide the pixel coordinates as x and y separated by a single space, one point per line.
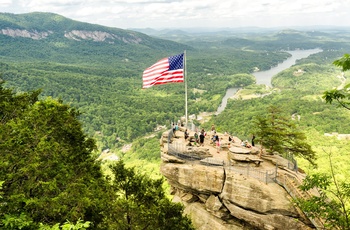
191 13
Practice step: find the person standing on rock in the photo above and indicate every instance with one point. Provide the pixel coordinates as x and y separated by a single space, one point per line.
186 134
174 129
215 137
253 138
201 138
218 144
196 137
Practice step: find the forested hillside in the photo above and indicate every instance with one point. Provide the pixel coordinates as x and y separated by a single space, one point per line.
103 78
99 71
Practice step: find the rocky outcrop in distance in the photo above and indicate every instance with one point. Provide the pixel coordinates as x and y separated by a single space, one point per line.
100 36
34 34
78 35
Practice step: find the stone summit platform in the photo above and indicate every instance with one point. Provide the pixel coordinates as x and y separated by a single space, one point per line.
229 153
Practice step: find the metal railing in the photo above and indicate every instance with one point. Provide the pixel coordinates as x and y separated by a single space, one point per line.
267 176
292 163
291 185
179 150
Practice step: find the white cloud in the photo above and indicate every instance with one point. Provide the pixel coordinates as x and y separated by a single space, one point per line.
5 2
191 13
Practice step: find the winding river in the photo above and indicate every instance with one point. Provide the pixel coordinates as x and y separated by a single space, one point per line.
264 77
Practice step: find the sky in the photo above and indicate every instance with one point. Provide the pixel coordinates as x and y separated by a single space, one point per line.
160 14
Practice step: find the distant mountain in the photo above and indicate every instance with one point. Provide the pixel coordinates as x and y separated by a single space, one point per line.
201 31
22 36
235 30
47 26
274 36
290 39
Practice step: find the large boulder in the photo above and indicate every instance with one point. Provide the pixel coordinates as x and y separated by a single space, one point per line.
201 152
268 221
198 178
239 150
252 194
213 203
171 159
204 220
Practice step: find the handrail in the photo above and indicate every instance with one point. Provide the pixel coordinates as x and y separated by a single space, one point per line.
294 191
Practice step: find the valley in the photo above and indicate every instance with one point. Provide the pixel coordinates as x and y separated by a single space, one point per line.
94 76
97 71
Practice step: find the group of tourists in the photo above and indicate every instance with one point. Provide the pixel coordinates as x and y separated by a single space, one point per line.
199 138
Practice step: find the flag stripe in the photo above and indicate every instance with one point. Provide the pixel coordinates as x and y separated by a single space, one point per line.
164 71
163 79
166 75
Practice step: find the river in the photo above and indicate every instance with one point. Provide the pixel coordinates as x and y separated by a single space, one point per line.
264 77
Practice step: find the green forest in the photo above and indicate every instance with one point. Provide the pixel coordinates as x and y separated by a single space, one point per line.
94 88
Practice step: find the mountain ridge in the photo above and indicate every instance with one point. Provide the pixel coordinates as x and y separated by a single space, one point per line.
52 27
29 26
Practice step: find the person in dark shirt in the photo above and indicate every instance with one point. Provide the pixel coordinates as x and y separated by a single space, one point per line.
201 138
186 134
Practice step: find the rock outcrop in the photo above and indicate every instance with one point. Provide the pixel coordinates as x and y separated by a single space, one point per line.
100 36
231 196
34 34
78 35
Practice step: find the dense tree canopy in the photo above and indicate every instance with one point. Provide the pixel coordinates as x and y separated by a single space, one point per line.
142 202
48 172
49 175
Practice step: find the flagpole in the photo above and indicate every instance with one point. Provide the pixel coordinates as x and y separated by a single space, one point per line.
185 67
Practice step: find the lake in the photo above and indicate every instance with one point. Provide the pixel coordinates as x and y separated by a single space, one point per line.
264 77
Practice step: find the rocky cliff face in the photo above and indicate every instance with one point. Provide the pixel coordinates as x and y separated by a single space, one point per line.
228 196
35 35
100 36
78 35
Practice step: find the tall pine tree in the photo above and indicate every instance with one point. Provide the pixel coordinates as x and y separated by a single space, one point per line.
279 134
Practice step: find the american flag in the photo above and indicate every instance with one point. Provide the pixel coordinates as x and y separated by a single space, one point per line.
164 71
